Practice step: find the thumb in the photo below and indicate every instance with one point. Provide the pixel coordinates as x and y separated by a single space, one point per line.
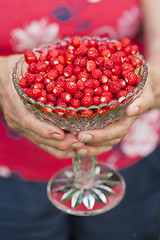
142 103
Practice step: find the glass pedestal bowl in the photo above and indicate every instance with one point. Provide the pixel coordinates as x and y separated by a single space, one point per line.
88 187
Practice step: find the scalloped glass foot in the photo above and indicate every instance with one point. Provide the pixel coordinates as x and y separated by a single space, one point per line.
102 194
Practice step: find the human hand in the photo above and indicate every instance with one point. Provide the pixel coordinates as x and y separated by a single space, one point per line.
102 140
46 136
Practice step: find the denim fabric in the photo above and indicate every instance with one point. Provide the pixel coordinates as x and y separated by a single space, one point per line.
26 213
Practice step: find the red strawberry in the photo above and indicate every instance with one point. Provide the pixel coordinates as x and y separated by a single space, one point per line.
114 86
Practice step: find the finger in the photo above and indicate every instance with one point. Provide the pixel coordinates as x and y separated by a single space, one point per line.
93 150
142 103
42 128
58 153
117 129
105 143
69 142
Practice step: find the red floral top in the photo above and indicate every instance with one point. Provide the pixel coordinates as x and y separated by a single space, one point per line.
27 24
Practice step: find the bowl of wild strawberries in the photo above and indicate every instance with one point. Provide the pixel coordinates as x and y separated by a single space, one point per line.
80 82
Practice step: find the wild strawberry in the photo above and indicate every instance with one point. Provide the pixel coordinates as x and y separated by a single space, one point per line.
53 62
87 101
39 86
103 79
46 81
93 43
81 50
113 105
108 73
60 111
129 88
69 113
90 65
83 76
122 82
134 49
108 63
98 91
101 111
68 71
50 86
127 50
125 42
78 94
70 49
75 41
114 86
102 47
30 78
114 77
66 97
106 53
32 67
89 91
83 62
131 78
75 103
42 99
61 60
118 57
136 62
30 57
95 83
107 98
47 109
92 53
70 87
69 58
42 66
88 83
52 53
57 91
80 85
121 93
43 93
23 82
127 66
39 77
60 82
52 98
87 113
99 61
52 74
76 70
96 100
118 45
112 46
36 92
59 68
96 73
104 87
43 57
116 69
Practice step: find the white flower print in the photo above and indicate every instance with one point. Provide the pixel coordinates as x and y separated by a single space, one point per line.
93 1
5 172
143 137
128 24
33 35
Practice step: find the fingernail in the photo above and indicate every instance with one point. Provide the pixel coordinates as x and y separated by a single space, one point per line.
70 155
85 138
135 111
56 136
82 152
76 145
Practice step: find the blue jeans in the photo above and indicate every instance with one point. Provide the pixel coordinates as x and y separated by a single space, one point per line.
27 214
